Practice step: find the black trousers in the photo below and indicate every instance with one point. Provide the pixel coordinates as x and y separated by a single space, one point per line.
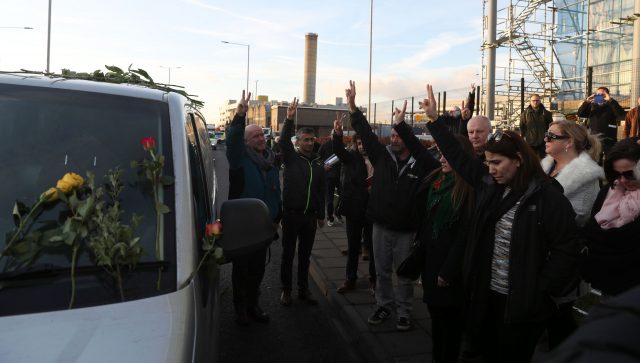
301 228
331 184
561 325
359 232
446 332
508 343
246 275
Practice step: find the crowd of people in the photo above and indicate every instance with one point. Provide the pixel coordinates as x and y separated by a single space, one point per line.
510 227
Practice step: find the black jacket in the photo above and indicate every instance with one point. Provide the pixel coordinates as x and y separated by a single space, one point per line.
544 246
353 178
303 178
393 189
613 260
534 124
458 125
603 119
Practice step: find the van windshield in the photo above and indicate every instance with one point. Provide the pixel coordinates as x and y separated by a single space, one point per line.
45 133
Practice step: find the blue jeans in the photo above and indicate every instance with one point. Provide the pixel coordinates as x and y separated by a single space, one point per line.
390 248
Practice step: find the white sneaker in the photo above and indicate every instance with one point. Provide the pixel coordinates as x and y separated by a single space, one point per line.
339 219
330 224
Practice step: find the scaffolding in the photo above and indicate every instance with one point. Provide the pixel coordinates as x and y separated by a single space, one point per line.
560 50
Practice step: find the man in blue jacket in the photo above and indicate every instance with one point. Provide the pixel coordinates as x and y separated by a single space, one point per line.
252 174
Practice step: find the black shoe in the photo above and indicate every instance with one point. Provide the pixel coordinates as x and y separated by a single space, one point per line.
285 297
379 316
258 314
305 295
242 319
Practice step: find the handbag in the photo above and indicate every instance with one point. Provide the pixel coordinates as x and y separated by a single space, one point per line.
411 267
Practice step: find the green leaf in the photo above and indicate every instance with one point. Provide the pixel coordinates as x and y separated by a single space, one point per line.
114 69
73 201
163 209
69 238
86 207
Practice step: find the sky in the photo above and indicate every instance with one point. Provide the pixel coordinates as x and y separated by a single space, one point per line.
414 42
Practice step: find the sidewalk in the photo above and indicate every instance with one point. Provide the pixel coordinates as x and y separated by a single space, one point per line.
381 343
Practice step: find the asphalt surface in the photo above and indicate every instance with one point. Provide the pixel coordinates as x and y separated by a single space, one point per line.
297 333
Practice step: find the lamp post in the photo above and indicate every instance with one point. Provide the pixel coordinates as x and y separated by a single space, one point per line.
169 68
49 37
255 97
248 50
370 58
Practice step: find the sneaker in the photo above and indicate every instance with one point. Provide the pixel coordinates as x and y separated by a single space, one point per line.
403 324
330 223
339 219
305 295
378 316
348 285
258 314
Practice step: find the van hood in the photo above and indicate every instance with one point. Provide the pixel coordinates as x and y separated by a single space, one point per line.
157 329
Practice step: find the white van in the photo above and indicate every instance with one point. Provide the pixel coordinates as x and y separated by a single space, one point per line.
53 126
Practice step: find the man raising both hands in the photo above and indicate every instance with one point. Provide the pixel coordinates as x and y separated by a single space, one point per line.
303 184
395 183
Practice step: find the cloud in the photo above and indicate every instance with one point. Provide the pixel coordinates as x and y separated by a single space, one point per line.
438 46
231 13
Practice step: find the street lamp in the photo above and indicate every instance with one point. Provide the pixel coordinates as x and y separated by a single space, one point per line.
255 97
169 68
248 50
49 37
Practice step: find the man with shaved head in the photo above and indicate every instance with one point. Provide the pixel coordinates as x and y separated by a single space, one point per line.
252 174
478 129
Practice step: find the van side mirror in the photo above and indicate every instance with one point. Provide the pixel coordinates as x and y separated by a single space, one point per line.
247 227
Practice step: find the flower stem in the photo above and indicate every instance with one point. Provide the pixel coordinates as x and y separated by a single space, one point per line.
22 224
193 274
119 280
74 256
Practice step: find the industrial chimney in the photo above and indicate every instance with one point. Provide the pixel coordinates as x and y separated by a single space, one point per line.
310 58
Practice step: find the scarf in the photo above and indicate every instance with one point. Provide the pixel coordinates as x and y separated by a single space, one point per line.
620 207
439 203
264 161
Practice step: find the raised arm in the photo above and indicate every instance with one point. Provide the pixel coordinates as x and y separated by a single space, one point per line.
288 151
336 139
417 150
468 166
235 134
359 123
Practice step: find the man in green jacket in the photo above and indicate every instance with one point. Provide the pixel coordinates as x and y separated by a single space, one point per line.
534 123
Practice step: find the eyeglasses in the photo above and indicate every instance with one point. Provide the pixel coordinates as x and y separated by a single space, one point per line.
497 136
626 174
551 136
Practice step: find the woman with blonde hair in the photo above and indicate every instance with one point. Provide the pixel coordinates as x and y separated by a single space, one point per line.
572 154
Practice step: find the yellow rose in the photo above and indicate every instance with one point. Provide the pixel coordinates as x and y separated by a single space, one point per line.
50 195
69 182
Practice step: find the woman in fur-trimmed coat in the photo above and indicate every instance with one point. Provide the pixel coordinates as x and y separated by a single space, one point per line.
571 159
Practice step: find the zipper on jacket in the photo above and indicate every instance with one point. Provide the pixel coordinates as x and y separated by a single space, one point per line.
306 207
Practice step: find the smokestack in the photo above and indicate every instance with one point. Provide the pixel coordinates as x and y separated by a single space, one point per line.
310 58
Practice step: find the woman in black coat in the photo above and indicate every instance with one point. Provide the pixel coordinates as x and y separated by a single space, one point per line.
522 245
612 233
443 209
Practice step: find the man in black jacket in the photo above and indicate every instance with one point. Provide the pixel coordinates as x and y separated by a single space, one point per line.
303 202
603 113
396 178
534 123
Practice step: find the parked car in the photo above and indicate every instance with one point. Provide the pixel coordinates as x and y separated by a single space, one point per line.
52 126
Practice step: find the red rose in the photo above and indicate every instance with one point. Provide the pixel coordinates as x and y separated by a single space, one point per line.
148 143
213 229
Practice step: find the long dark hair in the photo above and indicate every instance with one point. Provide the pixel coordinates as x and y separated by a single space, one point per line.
511 145
462 195
624 149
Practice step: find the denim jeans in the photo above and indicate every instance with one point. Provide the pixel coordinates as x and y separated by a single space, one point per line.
390 248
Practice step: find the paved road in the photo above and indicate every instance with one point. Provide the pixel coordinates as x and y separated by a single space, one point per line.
298 333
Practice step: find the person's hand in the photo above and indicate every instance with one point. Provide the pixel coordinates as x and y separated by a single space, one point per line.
337 124
320 223
327 167
350 93
291 110
591 98
398 115
466 112
243 105
442 282
607 98
473 87
429 105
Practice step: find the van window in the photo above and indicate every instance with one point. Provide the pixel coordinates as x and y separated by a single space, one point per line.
45 133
